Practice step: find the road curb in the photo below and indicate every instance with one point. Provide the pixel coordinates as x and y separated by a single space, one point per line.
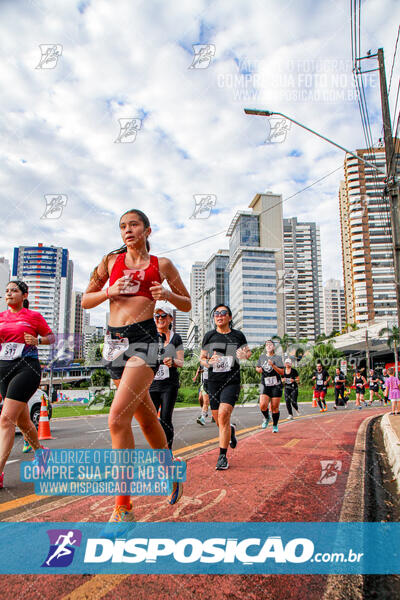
350 587
392 447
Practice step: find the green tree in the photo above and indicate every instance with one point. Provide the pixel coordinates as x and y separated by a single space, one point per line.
393 340
100 378
284 342
326 353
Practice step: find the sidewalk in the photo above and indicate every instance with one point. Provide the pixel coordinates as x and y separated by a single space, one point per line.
390 426
299 474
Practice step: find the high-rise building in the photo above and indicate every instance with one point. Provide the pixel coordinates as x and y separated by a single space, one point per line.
197 276
92 337
255 258
367 249
48 272
77 323
334 308
216 288
181 325
4 279
302 279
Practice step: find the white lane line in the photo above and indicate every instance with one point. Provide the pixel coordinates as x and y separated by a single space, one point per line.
14 460
102 430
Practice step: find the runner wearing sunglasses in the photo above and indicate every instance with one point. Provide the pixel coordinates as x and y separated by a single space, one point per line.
164 389
131 346
222 349
271 368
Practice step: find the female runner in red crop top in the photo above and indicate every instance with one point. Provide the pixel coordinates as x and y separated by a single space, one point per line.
131 345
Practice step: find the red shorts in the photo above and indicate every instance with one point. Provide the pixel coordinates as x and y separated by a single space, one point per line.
319 394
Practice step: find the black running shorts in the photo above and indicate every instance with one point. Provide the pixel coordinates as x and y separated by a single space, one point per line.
220 393
144 342
272 391
19 378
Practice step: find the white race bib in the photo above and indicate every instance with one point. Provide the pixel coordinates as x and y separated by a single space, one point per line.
270 380
11 350
223 365
205 374
288 380
162 373
114 348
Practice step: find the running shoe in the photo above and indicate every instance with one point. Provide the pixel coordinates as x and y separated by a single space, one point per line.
26 447
275 429
233 442
120 515
265 423
212 420
325 409
201 420
290 418
335 407
222 463
176 489
321 410
1 481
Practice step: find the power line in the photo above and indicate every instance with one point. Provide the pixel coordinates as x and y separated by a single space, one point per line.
261 213
394 56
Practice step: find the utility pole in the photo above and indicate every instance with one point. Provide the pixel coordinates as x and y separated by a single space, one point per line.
367 351
392 186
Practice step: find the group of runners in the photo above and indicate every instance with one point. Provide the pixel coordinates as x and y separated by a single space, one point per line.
143 356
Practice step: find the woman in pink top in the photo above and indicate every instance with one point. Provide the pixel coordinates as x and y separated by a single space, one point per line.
393 386
21 331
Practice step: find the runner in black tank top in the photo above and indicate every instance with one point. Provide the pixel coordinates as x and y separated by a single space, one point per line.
359 383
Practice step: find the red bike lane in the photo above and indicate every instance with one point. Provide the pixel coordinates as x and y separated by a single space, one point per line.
299 474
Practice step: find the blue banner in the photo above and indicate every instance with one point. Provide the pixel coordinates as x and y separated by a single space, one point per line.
103 472
194 548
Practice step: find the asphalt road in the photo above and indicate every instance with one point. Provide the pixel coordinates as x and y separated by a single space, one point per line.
92 432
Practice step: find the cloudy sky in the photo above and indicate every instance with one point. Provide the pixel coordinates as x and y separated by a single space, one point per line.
108 105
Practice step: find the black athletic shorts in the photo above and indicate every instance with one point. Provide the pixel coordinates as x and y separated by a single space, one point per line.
19 378
221 393
273 391
205 386
144 342
374 388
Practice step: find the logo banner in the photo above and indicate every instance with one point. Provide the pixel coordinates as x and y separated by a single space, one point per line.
194 548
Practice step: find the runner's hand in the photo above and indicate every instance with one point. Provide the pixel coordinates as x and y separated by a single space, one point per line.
119 287
241 354
168 361
159 292
214 359
31 340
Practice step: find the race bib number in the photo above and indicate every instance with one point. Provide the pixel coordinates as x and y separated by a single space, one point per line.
114 348
11 350
205 374
223 365
359 385
270 380
162 373
288 380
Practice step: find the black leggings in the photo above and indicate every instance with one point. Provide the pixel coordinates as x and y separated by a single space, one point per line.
339 393
166 399
291 399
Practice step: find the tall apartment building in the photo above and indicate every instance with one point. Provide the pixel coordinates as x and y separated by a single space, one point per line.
48 272
255 258
366 239
197 276
216 288
181 325
77 323
301 281
4 279
334 306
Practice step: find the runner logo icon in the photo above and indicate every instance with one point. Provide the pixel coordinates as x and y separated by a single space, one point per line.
63 543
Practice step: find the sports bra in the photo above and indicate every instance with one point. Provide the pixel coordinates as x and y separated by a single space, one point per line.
142 279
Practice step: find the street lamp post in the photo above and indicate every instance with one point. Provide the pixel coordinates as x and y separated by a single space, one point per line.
269 113
394 189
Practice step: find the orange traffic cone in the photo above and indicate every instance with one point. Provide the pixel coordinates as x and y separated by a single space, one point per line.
314 401
44 432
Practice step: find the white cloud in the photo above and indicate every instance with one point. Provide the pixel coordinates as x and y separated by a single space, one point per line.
130 59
